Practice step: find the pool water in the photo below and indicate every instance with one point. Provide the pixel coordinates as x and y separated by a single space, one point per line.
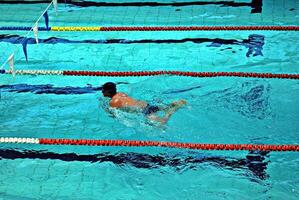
218 110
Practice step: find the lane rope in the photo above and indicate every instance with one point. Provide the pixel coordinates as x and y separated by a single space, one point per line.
154 28
138 143
151 73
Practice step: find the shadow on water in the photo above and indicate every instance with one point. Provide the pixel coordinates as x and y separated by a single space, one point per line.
255 162
49 89
254 43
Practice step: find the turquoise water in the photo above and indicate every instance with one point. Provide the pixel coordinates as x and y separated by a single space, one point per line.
219 110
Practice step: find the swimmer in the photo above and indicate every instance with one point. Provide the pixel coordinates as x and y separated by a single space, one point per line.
122 101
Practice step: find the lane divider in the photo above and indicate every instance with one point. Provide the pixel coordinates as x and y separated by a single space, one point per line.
151 73
154 28
137 143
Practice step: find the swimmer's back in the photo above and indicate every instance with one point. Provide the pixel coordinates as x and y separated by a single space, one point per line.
121 100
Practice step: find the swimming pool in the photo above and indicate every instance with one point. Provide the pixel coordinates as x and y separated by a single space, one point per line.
219 110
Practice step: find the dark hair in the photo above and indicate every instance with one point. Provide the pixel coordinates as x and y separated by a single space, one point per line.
110 88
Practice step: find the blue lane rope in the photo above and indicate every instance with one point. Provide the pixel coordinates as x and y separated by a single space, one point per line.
23 28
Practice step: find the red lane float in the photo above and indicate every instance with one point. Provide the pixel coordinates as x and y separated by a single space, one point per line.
136 143
181 73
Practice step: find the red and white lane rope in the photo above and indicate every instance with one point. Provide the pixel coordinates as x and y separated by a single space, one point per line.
151 73
137 143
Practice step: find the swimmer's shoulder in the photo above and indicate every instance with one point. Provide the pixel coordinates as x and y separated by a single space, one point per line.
117 101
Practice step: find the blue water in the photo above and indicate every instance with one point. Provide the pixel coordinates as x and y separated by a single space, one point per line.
218 110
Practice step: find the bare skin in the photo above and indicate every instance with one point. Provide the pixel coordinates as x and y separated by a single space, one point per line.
122 100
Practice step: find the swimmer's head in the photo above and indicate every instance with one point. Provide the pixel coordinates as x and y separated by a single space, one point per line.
109 89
